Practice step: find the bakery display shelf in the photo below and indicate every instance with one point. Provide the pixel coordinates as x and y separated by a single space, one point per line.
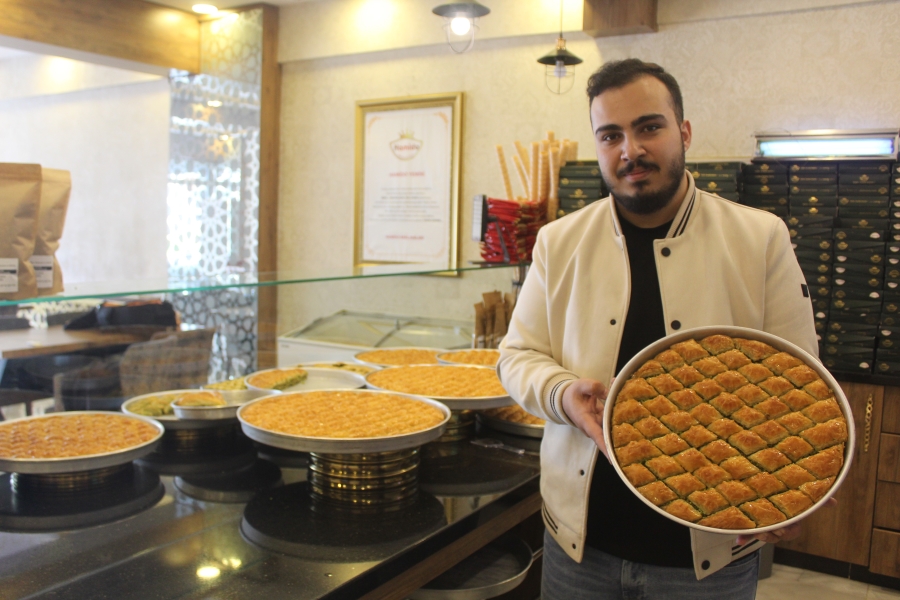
146 287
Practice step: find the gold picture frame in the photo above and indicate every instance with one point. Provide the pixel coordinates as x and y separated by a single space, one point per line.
406 207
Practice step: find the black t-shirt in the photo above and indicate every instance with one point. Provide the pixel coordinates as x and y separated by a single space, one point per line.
618 522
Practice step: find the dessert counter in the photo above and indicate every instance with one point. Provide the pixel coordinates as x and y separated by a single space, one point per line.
239 521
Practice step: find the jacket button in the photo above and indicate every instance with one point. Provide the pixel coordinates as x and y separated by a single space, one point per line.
666 252
676 324
612 321
704 565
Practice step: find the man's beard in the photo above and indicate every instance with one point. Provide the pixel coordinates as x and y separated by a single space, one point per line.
649 202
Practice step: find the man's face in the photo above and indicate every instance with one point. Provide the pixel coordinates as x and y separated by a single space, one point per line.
640 144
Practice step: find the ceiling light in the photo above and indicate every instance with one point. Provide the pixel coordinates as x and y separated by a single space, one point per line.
214 103
828 144
204 9
559 74
460 20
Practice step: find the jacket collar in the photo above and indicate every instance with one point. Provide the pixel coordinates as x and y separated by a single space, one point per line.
682 217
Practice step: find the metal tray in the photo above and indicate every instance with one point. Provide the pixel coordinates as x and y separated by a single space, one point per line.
74 464
228 411
171 422
381 366
346 445
742 332
491 571
320 379
452 362
458 403
532 431
312 365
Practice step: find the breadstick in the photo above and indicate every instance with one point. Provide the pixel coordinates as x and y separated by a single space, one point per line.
523 177
504 173
534 173
573 151
544 181
563 153
523 156
551 136
553 196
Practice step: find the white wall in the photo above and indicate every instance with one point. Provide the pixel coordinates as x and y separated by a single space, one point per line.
797 65
110 128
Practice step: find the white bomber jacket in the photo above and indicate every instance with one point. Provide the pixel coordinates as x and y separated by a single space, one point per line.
720 264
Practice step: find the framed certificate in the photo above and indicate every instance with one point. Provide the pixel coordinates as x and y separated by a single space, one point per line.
407 184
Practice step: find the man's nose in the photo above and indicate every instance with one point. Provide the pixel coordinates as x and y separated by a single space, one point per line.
632 148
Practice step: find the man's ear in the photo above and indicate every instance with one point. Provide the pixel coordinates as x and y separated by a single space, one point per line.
686 134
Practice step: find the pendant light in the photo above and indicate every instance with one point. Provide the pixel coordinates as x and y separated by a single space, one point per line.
459 23
560 64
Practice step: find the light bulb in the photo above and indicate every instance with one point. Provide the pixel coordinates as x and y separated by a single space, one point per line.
204 9
460 25
560 69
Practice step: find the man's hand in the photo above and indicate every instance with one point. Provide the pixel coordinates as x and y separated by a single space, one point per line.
583 403
785 534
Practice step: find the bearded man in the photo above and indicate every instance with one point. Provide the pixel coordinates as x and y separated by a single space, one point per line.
655 257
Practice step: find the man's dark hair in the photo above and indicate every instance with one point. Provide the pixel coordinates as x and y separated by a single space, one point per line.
619 73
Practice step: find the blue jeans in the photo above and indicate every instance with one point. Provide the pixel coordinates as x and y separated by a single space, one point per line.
601 576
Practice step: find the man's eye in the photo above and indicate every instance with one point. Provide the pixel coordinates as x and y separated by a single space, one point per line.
652 128
609 137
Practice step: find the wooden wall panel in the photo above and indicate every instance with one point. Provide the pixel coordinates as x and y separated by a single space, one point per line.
887 505
126 29
604 18
885 553
890 422
270 123
844 532
889 458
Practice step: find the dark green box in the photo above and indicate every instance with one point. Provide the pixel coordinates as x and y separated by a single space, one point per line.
778 211
815 268
856 293
813 168
864 258
574 204
865 166
858 234
817 279
766 178
854 328
847 352
818 233
866 178
861 189
852 212
854 246
802 221
813 200
863 202
579 171
714 175
803 179
839 365
712 166
849 339
716 186
584 183
764 168
814 190
578 193
811 256
823 211
851 223
812 244
860 284
860 270
760 201
884 367
765 189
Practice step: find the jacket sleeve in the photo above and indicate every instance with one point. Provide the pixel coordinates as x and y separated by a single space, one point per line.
788 310
527 366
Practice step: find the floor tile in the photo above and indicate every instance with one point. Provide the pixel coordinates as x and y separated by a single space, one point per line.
798 584
880 593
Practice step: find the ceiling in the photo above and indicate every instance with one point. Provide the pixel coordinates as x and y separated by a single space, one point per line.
220 4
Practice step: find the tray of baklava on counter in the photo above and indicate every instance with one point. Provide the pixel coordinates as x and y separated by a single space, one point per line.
728 429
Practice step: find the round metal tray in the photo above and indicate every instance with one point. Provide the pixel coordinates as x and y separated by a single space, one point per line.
170 422
741 332
81 463
320 379
525 429
491 571
312 365
456 403
346 445
381 366
228 411
444 361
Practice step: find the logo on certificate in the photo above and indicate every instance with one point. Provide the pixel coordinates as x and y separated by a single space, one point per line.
406 147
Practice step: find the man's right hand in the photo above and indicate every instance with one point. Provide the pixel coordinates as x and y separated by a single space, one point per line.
583 402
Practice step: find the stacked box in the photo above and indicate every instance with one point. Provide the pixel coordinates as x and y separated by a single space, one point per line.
765 187
812 189
720 178
580 184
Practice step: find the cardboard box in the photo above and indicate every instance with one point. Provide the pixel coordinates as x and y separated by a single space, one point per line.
813 200
882 178
813 190
863 189
764 168
765 189
766 178
865 166
851 269
813 168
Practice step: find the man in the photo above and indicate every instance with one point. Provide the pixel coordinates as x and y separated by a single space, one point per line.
656 257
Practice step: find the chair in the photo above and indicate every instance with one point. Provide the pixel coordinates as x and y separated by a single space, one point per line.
168 361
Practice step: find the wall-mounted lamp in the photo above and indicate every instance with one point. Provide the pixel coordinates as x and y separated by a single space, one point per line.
460 23
559 74
828 144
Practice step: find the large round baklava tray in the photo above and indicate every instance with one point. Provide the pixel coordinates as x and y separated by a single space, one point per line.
343 421
75 441
729 429
394 357
460 387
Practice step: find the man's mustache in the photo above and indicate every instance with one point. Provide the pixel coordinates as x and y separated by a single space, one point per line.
638 163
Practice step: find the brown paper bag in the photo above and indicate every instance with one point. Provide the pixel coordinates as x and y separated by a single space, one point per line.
479 340
55 190
20 202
